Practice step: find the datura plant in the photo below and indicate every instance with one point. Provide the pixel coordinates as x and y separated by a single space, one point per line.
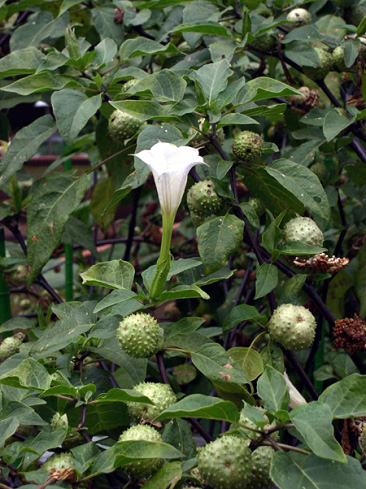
183 244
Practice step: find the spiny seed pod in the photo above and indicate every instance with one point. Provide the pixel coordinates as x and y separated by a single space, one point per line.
59 422
292 326
320 171
140 335
160 394
123 126
58 461
344 3
248 433
305 230
225 462
257 205
338 59
248 146
146 467
202 199
321 71
260 466
299 16
10 346
265 42
129 84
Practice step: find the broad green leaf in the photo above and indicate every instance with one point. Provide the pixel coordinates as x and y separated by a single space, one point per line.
77 232
213 78
24 414
298 248
21 62
114 274
303 184
142 46
30 374
209 28
105 51
167 477
351 48
141 109
200 406
103 21
312 472
272 388
262 88
115 297
122 395
221 49
7 428
266 280
177 267
346 398
244 312
236 118
314 422
335 122
218 238
185 325
105 416
67 4
40 444
40 82
49 208
166 86
72 110
183 292
25 145
250 360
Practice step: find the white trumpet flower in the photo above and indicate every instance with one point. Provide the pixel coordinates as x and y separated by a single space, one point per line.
170 166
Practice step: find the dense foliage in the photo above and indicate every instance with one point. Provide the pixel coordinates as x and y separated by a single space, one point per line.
236 360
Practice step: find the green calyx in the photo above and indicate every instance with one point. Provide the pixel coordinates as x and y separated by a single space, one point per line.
59 422
265 42
292 326
257 205
305 230
202 201
129 84
123 126
225 462
140 335
58 461
323 68
247 146
161 395
146 467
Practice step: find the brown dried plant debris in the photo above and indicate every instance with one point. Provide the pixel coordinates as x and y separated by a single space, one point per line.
322 263
350 334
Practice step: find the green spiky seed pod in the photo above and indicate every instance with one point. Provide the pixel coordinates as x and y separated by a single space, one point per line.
257 205
248 146
123 126
248 433
321 71
58 461
225 462
129 84
338 59
197 219
320 171
140 335
160 394
259 469
299 17
185 48
265 42
146 467
202 200
10 346
292 326
344 3
305 230
59 422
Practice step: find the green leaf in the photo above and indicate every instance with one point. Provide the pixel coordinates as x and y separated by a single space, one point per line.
361 29
115 297
314 422
77 232
24 414
114 274
250 360
40 82
103 21
312 472
235 118
262 88
346 398
209 28
303 184
30 374
7 428
25 145
239 314
266 280
272 388
72 110
185 325
122 395
141 109
166 86
105 51
21 62
142 46
218 238
335 122
351 48
298 248
40 444
200 406
49 208
183 292
167 477
213 78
